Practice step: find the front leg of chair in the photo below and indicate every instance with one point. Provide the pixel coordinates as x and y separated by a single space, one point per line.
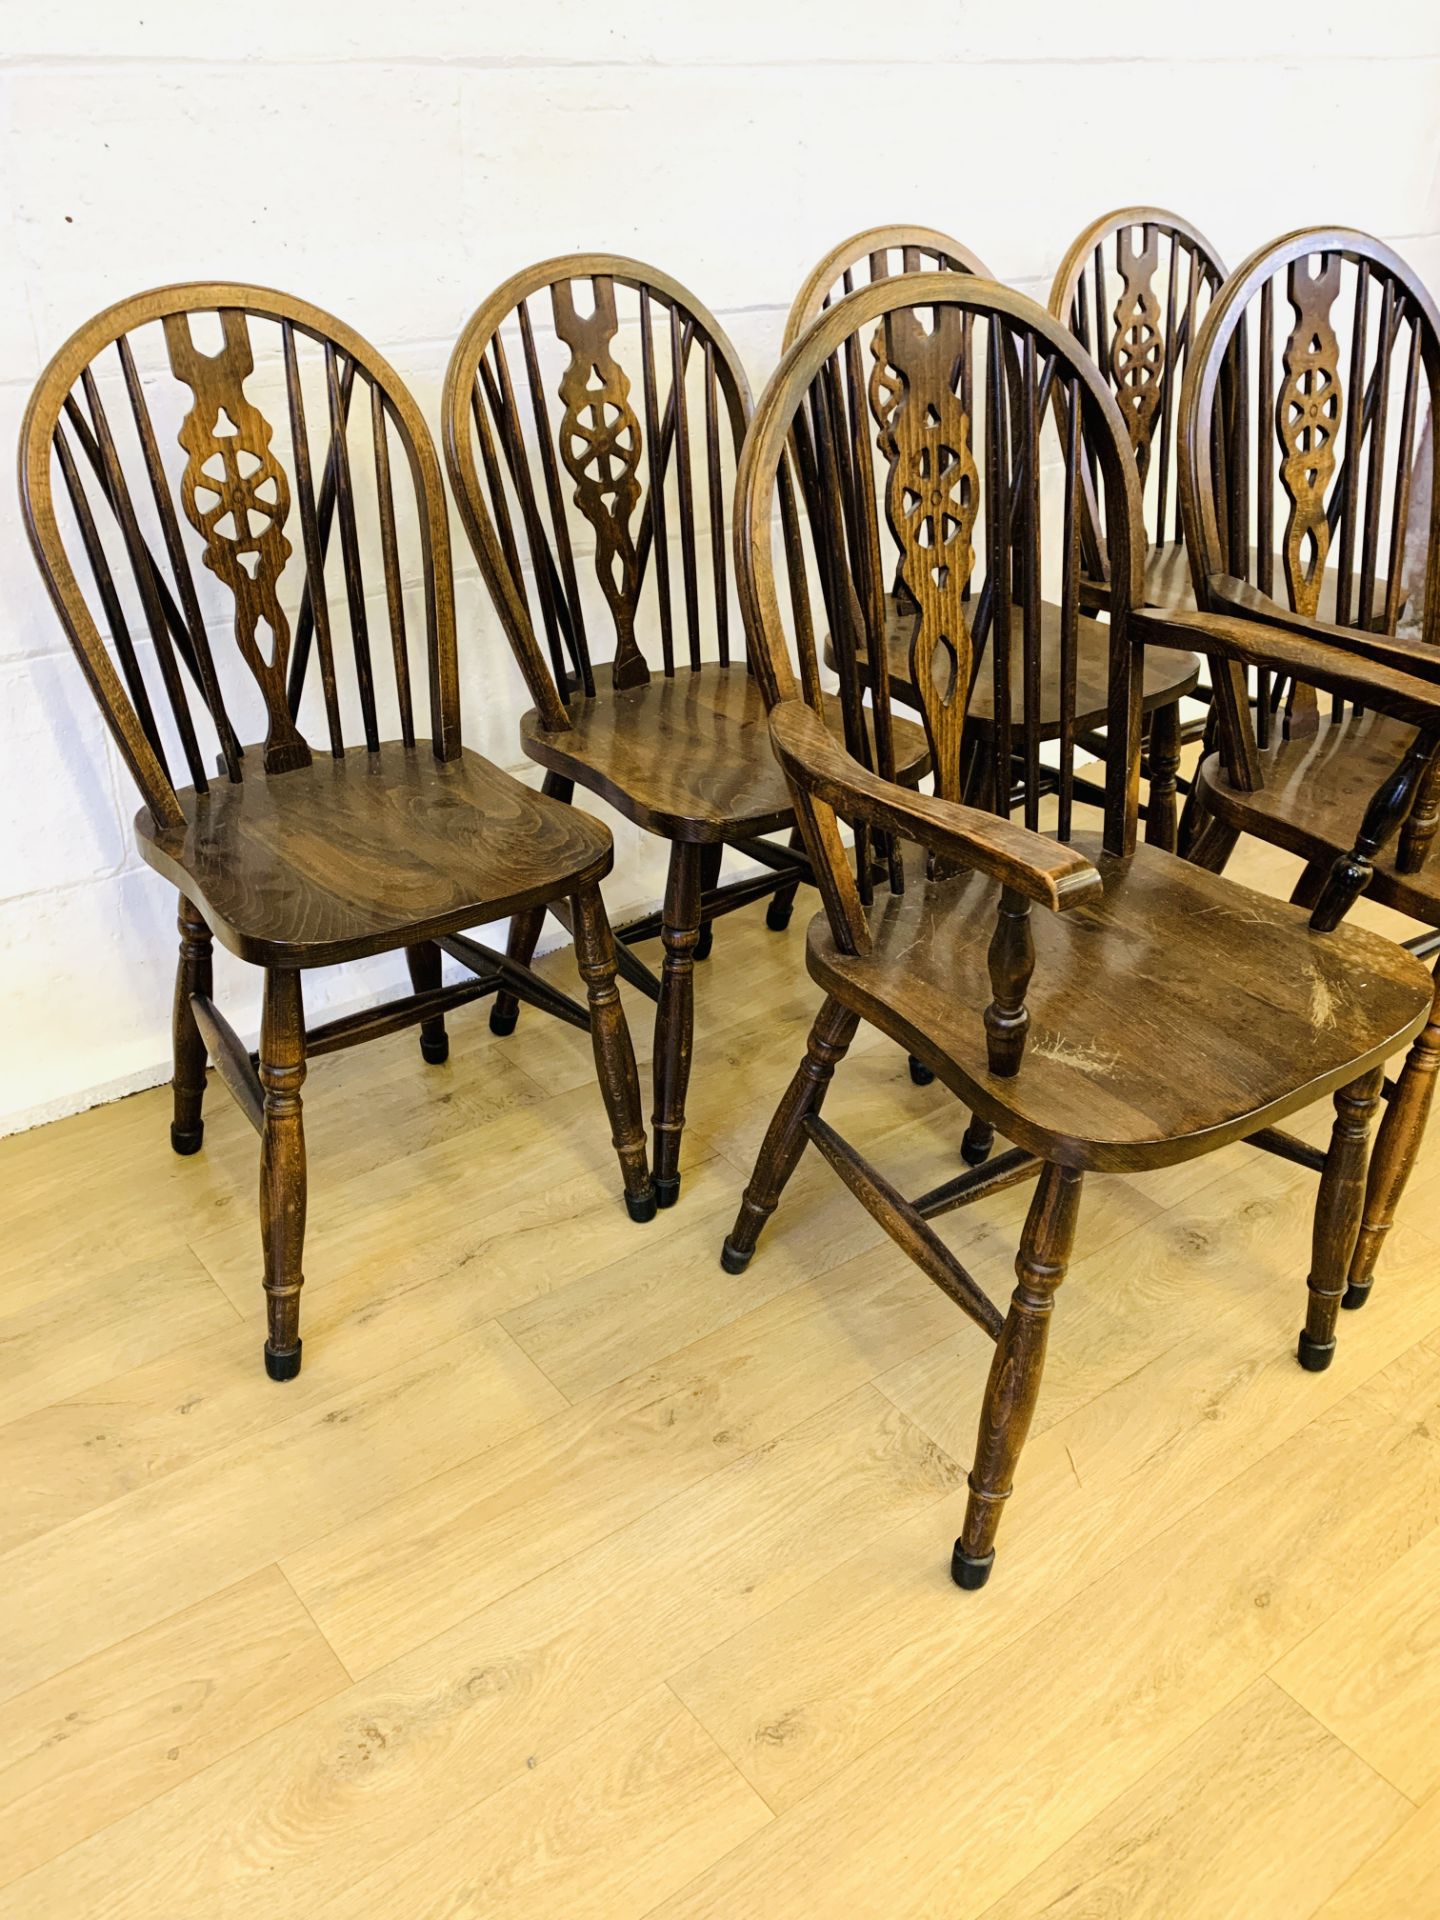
1161 821
1014 1383
675 1015
424 963
785 1137
193 974
282 1167
782 901
1337 1217
614 1053
1396 1145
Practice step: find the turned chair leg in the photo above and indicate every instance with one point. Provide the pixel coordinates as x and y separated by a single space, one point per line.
1161 822
1014 1383
519 947
977 1141
782 901
1396 1144
194 973
710 860
614 1053
282 1167
785 1137
675 1015
1337 1217
424 964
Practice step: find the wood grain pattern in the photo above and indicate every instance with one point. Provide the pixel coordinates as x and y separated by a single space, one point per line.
727 1509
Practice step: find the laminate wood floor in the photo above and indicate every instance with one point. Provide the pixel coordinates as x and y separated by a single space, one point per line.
574 1577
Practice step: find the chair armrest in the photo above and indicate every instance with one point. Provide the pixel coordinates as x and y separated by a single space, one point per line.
1028 863
1409 656
1332 664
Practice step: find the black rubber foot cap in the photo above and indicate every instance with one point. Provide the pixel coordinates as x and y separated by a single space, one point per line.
705 942
1312 1355
733 1260
186 1139
1355 1298
435 1052
777 915
970 1573
283 1366
919 1072
667 1192
975 1152
641 1206
502 1020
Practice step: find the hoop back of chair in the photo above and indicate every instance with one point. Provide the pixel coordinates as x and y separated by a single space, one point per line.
1301 410
179 425
953 480
593 458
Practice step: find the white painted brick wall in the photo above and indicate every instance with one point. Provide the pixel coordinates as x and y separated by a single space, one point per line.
394 163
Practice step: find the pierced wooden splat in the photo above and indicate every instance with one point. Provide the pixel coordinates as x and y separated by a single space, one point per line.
1307 419
931 503
236 496
600 443
1138 346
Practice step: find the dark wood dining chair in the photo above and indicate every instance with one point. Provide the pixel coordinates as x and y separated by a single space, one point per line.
1314 366
1060 1026
576 452
294 855
872 256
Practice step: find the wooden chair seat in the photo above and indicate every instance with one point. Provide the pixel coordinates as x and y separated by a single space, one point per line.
687 756
355 856
1168 951
1315 790
1168 676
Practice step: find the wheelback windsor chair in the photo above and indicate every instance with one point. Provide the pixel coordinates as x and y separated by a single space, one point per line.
1353 786
682 752
1059 1027
294 856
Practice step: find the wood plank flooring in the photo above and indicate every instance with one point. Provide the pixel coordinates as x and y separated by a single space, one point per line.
574 1577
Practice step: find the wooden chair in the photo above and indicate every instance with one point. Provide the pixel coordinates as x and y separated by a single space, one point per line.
293 856
683 753
1062 1027
872 256
1351 785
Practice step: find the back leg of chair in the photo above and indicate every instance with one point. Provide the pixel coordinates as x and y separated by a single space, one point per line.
1014 1383
785 1137
1337 1216
525 927
193 974
1212 843
782 901
1163 763
424 963
1396 1146
710 859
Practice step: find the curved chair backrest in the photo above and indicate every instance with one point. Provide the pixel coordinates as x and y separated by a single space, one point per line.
171 447
569 404
875 254
1166 274
976 372
1320 461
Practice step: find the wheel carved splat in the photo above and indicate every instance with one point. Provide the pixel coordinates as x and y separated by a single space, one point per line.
1137 347
600 444
1307 419
236 496
931 503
